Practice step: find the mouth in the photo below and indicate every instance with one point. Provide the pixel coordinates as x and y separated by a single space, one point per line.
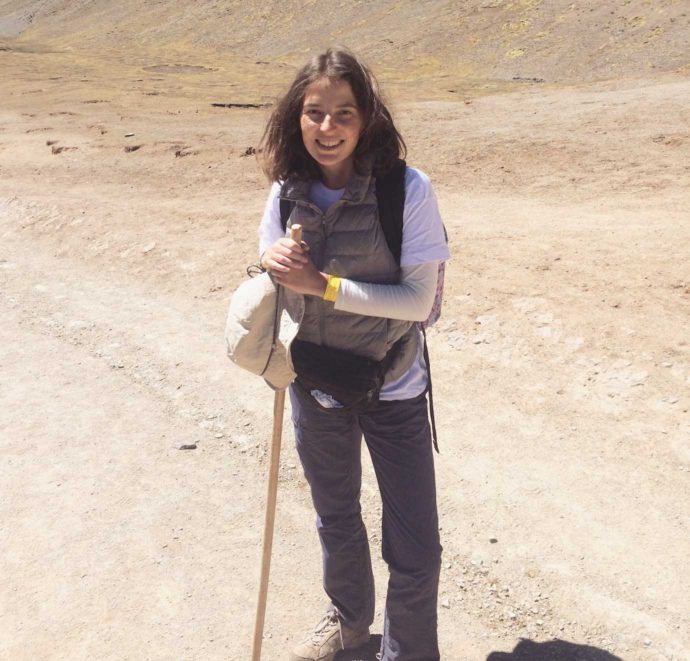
329 144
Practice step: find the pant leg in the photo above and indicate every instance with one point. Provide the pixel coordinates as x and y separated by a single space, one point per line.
399 440
329 447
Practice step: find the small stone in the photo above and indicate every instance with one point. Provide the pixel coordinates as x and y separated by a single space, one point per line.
493 540
129 135
148 247
647 642
445 603
188 446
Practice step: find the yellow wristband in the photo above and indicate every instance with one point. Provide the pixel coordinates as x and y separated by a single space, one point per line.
332 287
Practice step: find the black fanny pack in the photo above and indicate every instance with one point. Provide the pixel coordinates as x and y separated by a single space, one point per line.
354 381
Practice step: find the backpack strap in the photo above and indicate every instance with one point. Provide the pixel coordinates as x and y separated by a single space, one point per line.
286 207
390 198
434 436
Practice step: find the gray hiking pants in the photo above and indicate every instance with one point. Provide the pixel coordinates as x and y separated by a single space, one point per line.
399 441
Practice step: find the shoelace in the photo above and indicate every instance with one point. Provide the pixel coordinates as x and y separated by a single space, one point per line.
328 621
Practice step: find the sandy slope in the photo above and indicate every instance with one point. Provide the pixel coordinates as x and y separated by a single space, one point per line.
561 369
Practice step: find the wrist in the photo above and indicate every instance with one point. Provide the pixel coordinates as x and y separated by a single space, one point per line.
322 284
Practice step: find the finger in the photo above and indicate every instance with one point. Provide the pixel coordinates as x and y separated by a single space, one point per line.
294 259
275 265
299 257
285 254
284 264
288 245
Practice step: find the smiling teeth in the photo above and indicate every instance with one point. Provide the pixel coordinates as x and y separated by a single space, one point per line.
329 143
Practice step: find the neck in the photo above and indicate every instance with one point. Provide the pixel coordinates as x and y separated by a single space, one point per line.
337 179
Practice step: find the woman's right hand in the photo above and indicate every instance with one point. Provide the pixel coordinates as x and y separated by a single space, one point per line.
285 255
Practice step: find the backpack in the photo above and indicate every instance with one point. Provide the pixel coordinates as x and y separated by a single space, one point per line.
390 199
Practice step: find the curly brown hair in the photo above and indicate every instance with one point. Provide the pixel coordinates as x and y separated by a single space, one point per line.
380 144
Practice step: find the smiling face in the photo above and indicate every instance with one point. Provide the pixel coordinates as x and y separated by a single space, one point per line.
331 124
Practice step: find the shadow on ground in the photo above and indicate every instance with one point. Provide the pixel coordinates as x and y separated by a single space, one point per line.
526 650
366 653
553 650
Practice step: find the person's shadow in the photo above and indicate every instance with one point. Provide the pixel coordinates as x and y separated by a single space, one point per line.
525 650
553 650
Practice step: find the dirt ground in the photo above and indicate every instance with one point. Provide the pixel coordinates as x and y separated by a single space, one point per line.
128 213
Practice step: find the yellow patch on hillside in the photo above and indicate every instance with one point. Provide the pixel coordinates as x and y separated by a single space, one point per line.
655 32
518 26
474 41
523 4
637 21
515 53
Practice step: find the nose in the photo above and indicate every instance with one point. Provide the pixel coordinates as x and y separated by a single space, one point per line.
327 122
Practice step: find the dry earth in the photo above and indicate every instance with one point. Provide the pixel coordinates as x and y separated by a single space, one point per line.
561 363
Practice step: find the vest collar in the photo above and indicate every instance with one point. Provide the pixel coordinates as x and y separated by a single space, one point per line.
356 188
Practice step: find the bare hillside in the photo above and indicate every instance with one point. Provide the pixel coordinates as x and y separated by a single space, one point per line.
446 44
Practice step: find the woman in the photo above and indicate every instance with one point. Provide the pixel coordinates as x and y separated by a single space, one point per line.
325 145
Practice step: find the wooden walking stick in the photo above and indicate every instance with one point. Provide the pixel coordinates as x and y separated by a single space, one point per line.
271 497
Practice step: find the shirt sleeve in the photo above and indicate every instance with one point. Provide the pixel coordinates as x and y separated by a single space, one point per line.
424 237
270 229
410 299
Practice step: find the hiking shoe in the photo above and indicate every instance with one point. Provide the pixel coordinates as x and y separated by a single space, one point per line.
328 638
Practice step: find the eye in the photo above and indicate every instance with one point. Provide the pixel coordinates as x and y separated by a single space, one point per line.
314 114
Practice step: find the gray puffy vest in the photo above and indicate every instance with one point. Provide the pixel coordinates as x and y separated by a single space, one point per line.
347 241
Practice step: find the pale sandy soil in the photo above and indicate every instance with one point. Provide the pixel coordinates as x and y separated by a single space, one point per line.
561 364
